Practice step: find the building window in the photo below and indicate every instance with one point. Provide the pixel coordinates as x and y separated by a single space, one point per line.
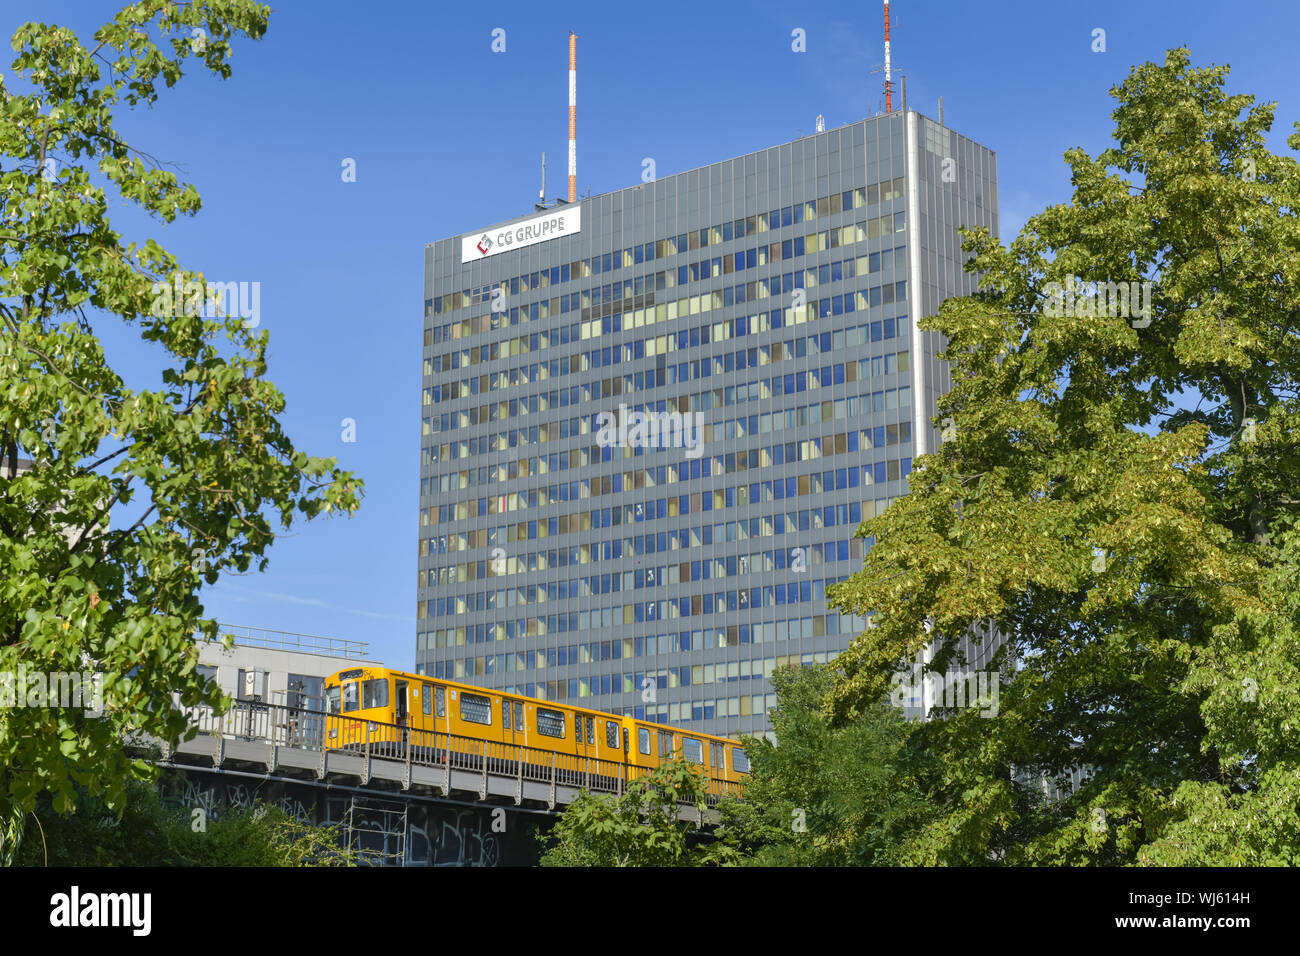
305 692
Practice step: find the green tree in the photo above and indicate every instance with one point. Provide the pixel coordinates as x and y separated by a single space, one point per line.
200 456
1117 494
826 795
638 828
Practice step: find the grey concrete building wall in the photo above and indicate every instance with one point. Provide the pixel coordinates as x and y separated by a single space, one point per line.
655 580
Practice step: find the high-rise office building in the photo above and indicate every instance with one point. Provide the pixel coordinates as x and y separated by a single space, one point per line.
653 419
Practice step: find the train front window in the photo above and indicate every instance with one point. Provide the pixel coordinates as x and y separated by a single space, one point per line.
331 700
351 700
374 693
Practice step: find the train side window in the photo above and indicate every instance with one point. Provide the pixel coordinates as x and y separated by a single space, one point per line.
550 723
519 715
692 750
715 754
739 760
351 698
591 730
665 743
332 700
475 709
374 693
441 697
426 698
643 740
611 734
505 714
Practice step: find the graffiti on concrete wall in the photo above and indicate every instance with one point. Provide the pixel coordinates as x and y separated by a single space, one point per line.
388 832
214 799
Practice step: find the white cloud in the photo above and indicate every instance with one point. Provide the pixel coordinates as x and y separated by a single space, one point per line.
233 590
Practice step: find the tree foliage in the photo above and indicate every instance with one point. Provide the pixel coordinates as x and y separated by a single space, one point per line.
1119 497
196 462
638 828
826 795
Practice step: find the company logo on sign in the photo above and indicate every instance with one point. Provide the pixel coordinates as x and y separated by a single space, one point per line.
551 225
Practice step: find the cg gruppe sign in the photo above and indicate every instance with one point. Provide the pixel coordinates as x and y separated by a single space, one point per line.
550 225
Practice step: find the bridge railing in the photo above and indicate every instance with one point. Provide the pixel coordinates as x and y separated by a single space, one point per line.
316 730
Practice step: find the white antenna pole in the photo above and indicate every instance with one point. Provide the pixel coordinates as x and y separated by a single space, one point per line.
573 116
889 91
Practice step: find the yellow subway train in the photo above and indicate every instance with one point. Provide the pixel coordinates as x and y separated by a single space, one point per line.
439 720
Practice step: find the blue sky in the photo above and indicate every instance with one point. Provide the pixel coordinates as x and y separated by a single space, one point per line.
447 137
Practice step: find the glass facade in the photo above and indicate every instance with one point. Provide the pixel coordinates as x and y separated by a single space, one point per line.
647 444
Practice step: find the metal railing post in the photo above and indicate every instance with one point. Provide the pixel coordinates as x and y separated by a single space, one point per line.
406 780
220 753
551 805
519 775
365 770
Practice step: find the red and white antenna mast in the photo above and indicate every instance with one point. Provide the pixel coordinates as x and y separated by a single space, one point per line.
889 86
573 116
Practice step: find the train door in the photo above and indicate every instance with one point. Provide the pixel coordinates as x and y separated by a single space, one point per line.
402 715
609 738
665 745
585 733
513 733
644 757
